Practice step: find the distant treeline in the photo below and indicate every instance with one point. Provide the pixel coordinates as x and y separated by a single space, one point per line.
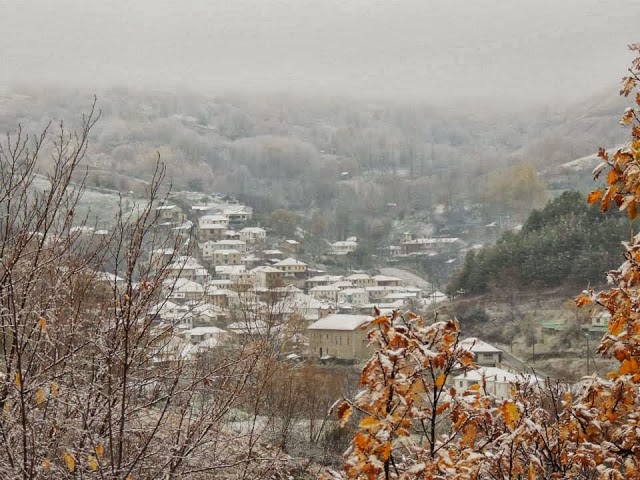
567 243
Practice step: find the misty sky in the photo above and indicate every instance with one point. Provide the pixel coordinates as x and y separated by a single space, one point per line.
535 50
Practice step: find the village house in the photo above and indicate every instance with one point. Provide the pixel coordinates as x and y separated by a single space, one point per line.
273 255
207 220
291 267
485 355
211 233
268 277
162 257
186 267
321 280
227 257
295 271
377 293
170 214
353 296
237 214
212 335
344 247
386 281
183 290
343 284
360 280
327 293
231 245
290 246
341 337
432 245
497 382
253 235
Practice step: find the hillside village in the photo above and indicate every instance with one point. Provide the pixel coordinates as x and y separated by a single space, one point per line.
233 283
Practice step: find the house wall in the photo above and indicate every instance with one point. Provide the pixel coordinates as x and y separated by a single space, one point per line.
341 344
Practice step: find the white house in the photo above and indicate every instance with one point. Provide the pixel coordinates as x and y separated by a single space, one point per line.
343 247
253 234
485 355
497 381
354 296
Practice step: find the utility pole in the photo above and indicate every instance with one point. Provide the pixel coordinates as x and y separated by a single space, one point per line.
586 334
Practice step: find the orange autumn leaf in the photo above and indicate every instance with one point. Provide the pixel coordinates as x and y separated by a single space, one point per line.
510 413
69 460
632 210
629 366
616 326
369 422
595 196
344 413
440 380
385 451
469 436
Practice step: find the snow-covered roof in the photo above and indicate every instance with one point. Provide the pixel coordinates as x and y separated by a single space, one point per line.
496 375
184 285
342 284
228 251
230 242
230 269
324 278
205 331
339 321
212 226
235 209
476 345
432 241
288 262
212 218
325 288
351 291
386 278
358 276
266 269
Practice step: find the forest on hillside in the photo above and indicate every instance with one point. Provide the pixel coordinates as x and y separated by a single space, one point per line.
568 243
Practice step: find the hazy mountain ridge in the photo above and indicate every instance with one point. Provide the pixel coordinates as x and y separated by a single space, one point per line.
347 160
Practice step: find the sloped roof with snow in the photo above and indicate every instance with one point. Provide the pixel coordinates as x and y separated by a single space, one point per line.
290 262
339 321
476 345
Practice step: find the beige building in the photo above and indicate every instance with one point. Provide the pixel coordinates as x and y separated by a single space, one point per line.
340 336
268 277
226 257
360 280
291 266
211 233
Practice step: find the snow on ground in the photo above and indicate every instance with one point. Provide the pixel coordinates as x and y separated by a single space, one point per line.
407 277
